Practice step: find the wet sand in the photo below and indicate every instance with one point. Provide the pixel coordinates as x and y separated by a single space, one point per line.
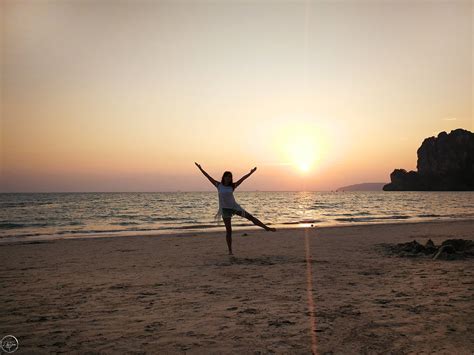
327 290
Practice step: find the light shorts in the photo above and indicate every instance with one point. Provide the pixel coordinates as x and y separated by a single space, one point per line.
229 212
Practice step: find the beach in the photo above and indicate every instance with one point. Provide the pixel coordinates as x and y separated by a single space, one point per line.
328 290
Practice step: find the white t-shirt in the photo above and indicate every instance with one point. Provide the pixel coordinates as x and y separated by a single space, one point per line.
226 200
226 196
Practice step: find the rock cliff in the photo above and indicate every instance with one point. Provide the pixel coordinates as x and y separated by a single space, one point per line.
444 163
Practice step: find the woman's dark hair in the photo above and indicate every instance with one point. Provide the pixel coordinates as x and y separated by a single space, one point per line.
231 181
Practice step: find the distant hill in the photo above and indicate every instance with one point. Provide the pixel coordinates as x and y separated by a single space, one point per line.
366 186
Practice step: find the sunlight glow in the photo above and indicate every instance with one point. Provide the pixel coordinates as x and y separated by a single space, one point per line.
302 140
302 151
304 166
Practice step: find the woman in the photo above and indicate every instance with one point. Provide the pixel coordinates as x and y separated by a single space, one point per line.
227 204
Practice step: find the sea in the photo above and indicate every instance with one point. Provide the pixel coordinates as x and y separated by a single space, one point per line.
42 216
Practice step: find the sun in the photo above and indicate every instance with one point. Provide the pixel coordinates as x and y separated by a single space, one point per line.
301 141
304 166
302 152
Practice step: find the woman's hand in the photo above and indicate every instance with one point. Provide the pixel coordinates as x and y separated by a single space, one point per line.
251 171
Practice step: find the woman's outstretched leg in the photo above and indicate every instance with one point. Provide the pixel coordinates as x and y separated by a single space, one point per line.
255 221
228 236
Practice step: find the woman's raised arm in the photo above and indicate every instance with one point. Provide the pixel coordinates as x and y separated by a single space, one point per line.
213 181
245 177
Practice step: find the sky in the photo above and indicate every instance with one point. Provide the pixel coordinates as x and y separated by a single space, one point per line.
127 95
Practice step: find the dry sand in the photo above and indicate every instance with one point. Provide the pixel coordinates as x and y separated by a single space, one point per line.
176 294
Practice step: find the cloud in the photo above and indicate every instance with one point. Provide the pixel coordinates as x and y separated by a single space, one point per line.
450 119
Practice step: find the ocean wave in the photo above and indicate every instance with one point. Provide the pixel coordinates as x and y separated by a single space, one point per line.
75 223
318 206
368 219
347 214
125 216
164 218
14 204
303 221
123 223
13 225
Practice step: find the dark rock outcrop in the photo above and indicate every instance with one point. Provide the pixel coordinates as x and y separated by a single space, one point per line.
444 163
450 249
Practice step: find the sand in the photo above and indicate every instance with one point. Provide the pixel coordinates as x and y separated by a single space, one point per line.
321 290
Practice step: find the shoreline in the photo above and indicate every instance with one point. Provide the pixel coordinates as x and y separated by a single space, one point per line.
241 229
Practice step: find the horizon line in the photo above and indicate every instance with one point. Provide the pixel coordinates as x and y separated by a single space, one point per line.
172 191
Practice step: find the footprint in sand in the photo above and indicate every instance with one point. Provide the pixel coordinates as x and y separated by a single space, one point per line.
279 322
249 311
153 326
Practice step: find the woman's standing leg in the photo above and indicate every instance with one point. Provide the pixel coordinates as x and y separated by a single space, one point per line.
228 236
